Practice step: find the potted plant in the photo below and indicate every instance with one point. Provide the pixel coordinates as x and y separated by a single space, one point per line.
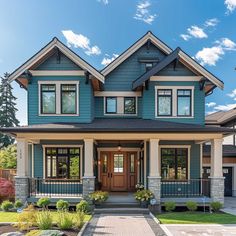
98 197
139 186
143 196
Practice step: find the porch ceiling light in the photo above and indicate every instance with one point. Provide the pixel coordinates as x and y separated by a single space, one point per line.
119 147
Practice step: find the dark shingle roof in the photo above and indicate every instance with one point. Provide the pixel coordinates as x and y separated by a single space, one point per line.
228 150
119 125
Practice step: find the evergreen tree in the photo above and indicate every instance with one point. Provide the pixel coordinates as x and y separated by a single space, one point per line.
7 110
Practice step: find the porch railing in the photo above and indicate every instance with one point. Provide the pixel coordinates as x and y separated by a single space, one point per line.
39 187
187 188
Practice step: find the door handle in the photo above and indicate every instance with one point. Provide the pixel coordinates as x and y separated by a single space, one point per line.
111 175
108 175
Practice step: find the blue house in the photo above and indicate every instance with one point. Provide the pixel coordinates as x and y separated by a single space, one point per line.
139 120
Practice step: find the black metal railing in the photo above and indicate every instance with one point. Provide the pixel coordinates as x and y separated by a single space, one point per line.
39 187
185 188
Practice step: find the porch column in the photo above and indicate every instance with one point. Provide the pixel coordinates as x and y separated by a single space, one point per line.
154 178
217 179
88 178
22 178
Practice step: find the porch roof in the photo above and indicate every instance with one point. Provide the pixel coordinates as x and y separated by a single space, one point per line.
228 150
116 125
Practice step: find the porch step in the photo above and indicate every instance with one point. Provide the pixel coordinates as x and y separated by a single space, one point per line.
121 210
119 205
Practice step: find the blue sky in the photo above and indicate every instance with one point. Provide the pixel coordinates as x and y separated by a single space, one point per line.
99 30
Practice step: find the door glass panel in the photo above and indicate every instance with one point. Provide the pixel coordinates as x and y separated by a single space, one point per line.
104 164
132 163
118 163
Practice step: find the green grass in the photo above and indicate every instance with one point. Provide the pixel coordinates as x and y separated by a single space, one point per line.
12 216
196 218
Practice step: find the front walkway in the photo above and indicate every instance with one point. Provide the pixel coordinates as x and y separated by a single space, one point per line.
123 224
230 205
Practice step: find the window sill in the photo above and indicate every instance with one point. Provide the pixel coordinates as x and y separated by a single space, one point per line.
120 114
58 115
180 117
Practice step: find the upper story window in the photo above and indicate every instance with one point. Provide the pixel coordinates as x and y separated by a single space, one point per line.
48 98
58 98
148 66
111 105
173 101
129 105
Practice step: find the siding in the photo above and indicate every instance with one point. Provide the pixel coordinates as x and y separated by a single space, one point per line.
38 161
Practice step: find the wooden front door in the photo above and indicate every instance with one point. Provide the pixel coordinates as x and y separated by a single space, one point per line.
118 171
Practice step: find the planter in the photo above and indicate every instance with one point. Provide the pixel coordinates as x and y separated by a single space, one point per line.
144 204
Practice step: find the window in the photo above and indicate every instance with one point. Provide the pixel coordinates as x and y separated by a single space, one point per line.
68 99
129 105
48 99
118 163
148 66
62 163
174 163
184 102
164 102
111 105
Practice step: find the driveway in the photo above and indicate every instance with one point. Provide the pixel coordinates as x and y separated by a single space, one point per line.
199 230
230 205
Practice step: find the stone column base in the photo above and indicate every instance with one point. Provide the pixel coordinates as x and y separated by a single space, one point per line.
154 185
88 185
21 188
217 189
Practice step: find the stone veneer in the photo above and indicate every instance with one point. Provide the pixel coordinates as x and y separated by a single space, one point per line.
21 188
88 186
154 185
217 189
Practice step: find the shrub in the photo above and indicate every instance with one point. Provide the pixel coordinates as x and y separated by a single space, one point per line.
170 206
62 205
18 204
192 206
79 219
27 218
6 188
43 202
83 206
143 195
7 205
44 220
99 196
65 220
216 206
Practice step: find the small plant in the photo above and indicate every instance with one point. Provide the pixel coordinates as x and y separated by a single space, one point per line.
34 232
18 204
170 206
44 220
43 202
139 186
83 206
143 195
65 220
79 219
27 219
216 206
99 196
7 205
62 205
192 206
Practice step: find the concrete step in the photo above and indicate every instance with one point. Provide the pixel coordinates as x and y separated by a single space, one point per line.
121 210
119 205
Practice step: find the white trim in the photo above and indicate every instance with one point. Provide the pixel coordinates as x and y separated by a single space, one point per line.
177 146
65 146
174 101
58 84
117 94
175 78
145 164
57 72
32 160
133 49
201 158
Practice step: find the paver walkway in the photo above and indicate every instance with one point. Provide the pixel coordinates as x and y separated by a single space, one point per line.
117 224
230 205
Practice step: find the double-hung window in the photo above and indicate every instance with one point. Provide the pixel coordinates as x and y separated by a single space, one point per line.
184 102
111 105
164 102
48 98
68 99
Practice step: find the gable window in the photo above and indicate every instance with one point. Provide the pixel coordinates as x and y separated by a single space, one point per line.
129 105
184 102
68 99
62 163
164 102
148 66
111 105
48 99
174 163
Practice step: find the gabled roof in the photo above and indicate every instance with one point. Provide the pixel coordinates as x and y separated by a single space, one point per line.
221 117
55 43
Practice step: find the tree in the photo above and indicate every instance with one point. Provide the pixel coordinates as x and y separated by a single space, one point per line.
7 110
8 157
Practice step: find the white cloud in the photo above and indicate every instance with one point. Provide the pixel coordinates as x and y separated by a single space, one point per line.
225 107
230 5
143 13
197 32
185 37
80 41
232 94
105 2
210 104
211 22
210 55
107 59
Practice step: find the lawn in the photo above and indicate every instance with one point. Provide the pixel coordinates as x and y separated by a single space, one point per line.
196 218
12 216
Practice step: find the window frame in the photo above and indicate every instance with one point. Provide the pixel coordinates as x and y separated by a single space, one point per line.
190 97
41 98
130 113
171 102
106 98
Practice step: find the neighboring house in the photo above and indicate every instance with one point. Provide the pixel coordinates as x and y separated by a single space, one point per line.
223 119
140 119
